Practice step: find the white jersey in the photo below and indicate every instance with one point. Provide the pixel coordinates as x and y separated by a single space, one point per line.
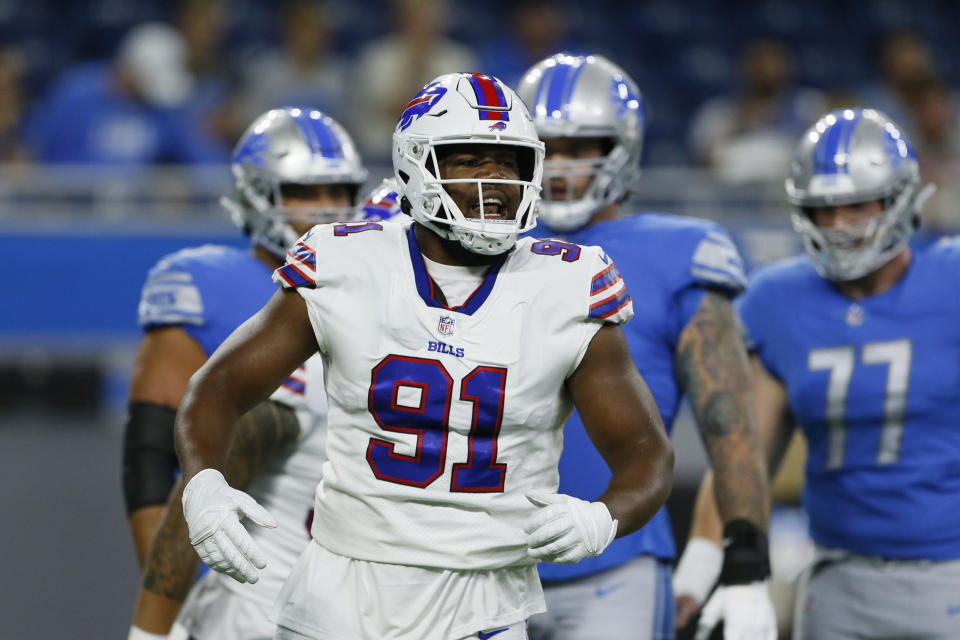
219 606
441 420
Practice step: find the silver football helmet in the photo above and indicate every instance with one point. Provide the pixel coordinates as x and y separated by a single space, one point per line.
289 145
585 97
474 109
850 156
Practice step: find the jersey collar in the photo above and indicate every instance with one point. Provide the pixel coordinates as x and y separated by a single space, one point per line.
430 293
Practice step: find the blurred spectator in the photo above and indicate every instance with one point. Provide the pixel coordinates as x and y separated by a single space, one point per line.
304 70
392 69
203 24
936 139
749 136
538 30
905 62
127 111
11 105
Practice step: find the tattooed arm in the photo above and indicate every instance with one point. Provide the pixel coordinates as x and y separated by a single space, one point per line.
172 565
711 367
775 426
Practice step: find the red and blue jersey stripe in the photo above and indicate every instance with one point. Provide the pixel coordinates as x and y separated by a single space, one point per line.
605 279
301 267
612 291
295 384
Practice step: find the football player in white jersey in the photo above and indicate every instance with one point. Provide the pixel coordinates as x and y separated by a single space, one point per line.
453 354
292 168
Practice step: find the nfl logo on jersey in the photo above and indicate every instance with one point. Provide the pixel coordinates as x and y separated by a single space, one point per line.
446 325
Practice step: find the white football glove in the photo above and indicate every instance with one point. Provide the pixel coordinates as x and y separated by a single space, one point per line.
746 611
566 529
212 510
698 569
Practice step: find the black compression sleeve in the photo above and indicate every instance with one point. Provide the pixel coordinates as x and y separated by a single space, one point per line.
149 460
746 556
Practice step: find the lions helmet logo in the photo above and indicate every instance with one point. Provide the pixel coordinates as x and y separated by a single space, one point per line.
421 104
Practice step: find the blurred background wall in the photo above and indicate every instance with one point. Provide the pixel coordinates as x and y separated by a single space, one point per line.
116 121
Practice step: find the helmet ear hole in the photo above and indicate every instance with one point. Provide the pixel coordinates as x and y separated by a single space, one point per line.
526 161
405 205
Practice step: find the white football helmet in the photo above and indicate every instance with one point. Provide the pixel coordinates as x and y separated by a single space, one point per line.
850 156
585 97
465 108
289 145
383 203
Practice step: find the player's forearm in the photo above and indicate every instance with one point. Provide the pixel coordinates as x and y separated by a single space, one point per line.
206 422
170 570
250 364
155 613
261 434
641 483
712 367
706 522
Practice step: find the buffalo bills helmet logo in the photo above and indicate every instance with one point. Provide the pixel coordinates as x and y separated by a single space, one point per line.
498 126
421 104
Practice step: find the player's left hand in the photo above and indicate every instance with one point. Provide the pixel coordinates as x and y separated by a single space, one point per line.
566 529
212 509
746 611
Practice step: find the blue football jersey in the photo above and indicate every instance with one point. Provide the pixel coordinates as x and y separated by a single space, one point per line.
875 387
667 262
208 291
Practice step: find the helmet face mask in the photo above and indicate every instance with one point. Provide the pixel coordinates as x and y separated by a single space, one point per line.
282 150
586 97
855 156
478 114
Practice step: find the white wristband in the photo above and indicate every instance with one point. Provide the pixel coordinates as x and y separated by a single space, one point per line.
698 569
136 633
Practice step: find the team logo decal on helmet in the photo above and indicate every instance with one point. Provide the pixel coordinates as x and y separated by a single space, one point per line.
289 145
421 104
585 97
467 109
851 156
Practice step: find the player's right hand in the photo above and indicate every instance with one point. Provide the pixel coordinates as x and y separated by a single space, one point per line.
745 609
565 529
212 510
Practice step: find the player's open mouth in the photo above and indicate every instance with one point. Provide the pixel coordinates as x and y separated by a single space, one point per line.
492 208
